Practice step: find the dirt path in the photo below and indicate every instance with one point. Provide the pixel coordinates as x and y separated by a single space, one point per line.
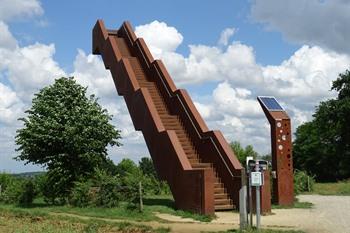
330 214
178 226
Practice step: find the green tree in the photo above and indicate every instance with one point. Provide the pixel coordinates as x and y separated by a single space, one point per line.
243 153
249 151
322 146
67 132
127 166
147 167
267 157
150 182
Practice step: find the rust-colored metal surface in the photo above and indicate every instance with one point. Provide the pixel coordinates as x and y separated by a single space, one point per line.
266 194
202 171
281 149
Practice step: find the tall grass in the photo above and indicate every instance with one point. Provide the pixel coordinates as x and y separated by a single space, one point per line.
339 188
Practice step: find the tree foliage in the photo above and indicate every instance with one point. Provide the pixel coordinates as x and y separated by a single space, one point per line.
303 182
243 153
127 166
15 190
67 132
108 190
147 167
322 146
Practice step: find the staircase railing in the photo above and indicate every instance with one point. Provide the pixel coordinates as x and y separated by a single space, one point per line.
149 61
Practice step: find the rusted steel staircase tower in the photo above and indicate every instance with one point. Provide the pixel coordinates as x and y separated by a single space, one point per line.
202 171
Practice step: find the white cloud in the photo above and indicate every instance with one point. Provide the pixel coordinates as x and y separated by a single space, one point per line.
306 76
7 96
211 64
236 102
90 71
226 35
204 110
32 67
10 105
159 37
16 9
313 22
7 41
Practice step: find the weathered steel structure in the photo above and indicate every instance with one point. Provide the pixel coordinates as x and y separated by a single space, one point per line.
198 164
281 149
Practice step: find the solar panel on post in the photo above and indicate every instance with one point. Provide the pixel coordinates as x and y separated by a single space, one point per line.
270 103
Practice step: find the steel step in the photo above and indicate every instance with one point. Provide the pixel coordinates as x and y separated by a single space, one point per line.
224 207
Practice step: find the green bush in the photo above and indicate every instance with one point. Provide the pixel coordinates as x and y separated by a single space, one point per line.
130 188
12 192
54 187
153 186
81 195
303 182
17 191
39 184
27 193
5 180
108 193
106 190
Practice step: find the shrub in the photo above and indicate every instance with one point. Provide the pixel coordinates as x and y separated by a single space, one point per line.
5 180
153 186
18 191
27 193
12 192
130 187
106 190
81 195
108 193
53 186
39 184
303 182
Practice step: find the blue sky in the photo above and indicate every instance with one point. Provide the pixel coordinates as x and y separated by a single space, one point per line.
68 24
224 53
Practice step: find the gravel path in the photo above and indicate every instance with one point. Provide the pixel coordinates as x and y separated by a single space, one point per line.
330 214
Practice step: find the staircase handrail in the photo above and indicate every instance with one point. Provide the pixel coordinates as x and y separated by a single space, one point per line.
138 42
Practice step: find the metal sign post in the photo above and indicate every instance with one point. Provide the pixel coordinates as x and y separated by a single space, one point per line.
243 201
256 179
258 182
250 202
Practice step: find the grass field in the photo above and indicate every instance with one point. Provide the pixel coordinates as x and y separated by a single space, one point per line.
18 222
26 222
21 221
339 188
297 205
43 218
152 204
